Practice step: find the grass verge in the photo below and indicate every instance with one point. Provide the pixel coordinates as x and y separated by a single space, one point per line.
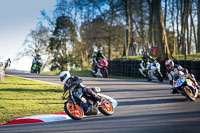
21 98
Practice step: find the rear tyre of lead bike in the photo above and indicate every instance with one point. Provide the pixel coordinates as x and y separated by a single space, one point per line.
106 107
188 93
71 112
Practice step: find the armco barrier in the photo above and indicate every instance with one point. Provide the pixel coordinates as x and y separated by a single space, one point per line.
2 72
129 68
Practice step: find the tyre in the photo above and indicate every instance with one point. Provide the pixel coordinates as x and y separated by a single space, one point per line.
37 70
148 79
189 93
159 76
76 114
105 73
106 107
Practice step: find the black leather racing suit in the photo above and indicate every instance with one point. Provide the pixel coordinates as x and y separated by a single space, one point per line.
75 82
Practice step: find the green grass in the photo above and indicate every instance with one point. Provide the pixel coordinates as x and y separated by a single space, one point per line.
188 57
130 58
21 98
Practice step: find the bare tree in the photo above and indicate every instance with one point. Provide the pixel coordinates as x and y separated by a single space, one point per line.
36 42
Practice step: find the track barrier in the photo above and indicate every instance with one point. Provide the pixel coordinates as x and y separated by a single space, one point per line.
129 68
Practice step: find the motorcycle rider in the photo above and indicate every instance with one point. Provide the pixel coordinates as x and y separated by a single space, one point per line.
7 63
36 59
145 64
73 81
97 56
173 70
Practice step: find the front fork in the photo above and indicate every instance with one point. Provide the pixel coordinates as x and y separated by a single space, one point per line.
72 98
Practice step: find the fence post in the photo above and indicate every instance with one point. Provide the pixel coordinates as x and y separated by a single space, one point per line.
2 72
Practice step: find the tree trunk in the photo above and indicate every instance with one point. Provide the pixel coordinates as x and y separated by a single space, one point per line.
173 47
177 25
132 50
142 24
198 32
182 36
151 41
125 51
194 30
189 30
161 40
165 16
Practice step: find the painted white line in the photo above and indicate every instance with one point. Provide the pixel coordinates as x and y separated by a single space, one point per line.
33 79
48 117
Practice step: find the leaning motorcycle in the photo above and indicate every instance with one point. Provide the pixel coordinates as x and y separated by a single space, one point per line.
77 105
36 67
6 65
153 72
186 87
103 69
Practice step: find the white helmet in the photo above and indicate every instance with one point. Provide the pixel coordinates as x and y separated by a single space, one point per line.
64 76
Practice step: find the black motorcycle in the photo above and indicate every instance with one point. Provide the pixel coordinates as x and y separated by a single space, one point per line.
77 105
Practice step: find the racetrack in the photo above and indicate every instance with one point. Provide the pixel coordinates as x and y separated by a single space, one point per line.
143 107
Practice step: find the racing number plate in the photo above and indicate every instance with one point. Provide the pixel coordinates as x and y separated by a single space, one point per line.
179 82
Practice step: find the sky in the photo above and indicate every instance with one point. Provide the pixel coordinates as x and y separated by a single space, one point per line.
17 19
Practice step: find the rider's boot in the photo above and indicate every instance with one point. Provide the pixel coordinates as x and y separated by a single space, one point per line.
98 73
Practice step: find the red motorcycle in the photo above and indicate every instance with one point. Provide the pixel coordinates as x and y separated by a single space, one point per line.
100 69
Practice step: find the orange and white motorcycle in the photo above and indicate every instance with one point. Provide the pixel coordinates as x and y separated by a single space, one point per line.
186 86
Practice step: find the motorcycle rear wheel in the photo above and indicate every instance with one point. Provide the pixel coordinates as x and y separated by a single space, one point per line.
76 114
105 73
106 107
159 76
189 93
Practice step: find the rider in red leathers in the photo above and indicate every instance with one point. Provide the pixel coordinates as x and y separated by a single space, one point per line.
97 56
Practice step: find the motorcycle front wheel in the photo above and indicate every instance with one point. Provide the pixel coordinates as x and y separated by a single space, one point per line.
189 93
106 107
76 114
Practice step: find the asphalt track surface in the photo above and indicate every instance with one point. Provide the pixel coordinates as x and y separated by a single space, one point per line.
143 107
